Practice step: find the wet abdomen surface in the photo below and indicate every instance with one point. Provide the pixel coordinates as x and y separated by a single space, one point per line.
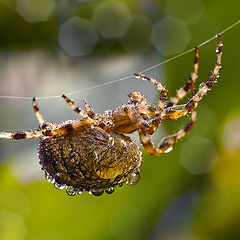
90 159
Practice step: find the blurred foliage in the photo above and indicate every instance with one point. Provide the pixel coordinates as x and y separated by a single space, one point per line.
178 196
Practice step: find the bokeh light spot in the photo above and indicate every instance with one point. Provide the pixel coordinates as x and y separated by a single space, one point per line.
198 155
78 36
231 135
170 36
190 14
12 226
35 10
112 18
138 36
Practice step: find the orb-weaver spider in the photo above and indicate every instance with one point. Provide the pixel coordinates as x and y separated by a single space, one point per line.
93 154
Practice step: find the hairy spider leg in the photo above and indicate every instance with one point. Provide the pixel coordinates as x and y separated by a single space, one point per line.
203 88
20 135
160 88
88 109
91 116
167 142
174 112
48 130
78 110
26 134
137 96
169 113
37 113
135 113
181 93
107 120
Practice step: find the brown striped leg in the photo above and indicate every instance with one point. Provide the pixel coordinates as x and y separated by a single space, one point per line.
20 135
160 88
174 112
66 127
147 143
137 96
78 110
88 109
166 143
37 113
107 120
181 93
50 130
203 88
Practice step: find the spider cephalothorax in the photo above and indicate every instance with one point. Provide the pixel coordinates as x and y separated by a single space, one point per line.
93 154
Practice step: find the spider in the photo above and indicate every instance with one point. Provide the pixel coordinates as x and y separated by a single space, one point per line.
93 154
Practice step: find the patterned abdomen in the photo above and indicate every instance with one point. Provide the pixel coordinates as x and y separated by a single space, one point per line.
90 159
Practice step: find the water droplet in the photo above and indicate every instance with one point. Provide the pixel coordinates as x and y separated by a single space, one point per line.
49 178
111 140
133 178
109 190
201 85
96 155
97 192
71 191
59 186
169 149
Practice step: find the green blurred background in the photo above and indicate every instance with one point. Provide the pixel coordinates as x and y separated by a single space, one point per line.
50 47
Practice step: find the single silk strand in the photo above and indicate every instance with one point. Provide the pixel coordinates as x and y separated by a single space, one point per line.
127 77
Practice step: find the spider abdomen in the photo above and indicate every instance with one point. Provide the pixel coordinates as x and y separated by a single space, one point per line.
90 159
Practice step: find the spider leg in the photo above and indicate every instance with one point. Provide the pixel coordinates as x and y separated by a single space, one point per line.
37 113
203 88
88 109
174 112
78 110
139 115
107 120
160 88
149 125
26 134
67 127
137 96
20 135
181 93
168 141
50 130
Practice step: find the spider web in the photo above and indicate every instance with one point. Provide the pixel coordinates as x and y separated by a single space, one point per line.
126 77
